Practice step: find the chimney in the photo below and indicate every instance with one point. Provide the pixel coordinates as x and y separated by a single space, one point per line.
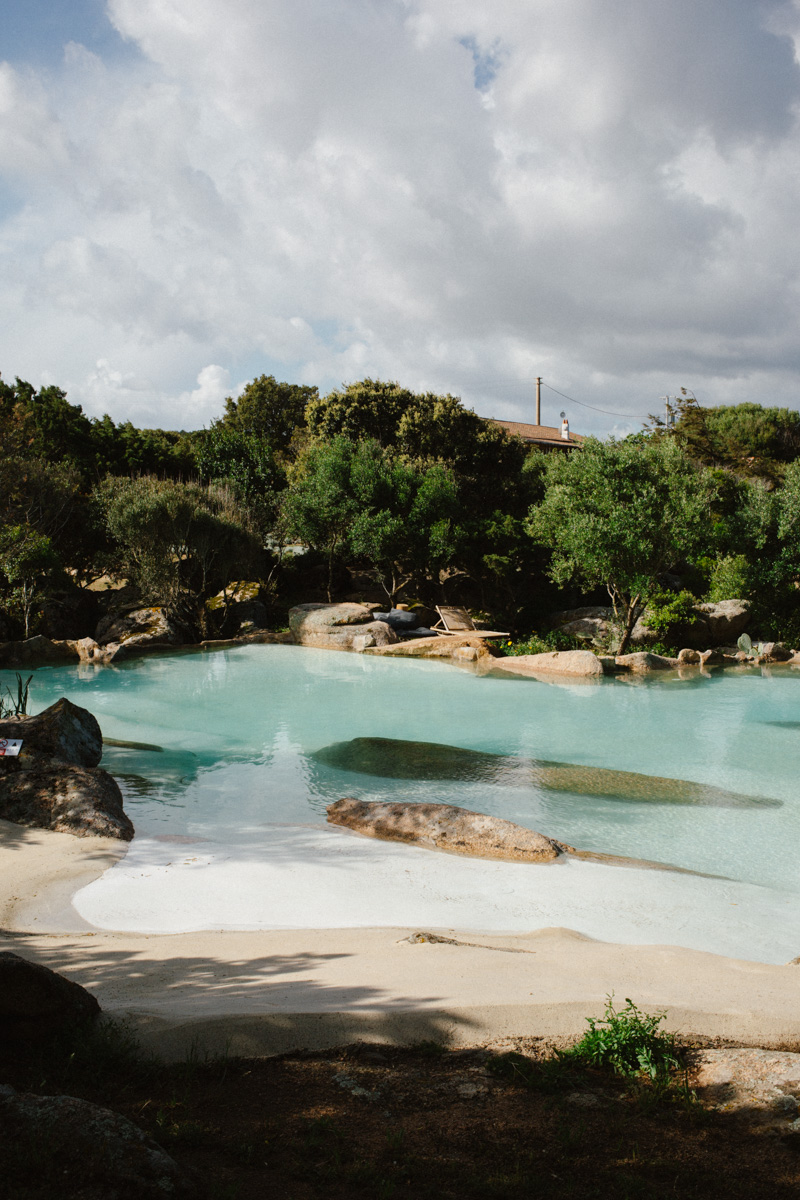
565 429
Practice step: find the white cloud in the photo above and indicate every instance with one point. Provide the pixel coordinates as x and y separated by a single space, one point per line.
321 190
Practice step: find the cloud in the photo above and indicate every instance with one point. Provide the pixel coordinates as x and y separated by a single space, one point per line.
461 196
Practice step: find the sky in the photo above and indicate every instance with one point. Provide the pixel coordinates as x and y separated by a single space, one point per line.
457 195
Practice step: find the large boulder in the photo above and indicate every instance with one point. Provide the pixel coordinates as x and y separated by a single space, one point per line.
92 1152
335 626
64 733
36 1003
560 662
445 827
55 782
592 622
714 625
85 801
140 627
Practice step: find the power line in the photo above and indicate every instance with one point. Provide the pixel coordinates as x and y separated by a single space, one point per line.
572 400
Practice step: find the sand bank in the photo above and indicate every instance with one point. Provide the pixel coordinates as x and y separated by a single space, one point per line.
268 991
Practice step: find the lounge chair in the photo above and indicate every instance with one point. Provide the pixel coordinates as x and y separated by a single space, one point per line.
457 621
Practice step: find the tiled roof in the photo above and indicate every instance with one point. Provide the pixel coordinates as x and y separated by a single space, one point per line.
536 433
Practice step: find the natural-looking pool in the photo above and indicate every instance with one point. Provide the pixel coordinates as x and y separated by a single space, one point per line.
251 743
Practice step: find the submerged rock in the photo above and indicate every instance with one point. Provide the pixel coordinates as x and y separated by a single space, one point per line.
392 758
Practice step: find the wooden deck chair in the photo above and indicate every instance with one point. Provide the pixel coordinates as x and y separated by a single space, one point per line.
457 621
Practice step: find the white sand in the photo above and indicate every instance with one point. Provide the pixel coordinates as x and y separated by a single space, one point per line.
314 877
272 990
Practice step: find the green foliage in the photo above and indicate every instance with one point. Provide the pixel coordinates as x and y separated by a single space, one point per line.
553 640
28 561
16 706
628 1041
666 610
620 515
178 543
246 462
748 438
359 501
270 411
729 578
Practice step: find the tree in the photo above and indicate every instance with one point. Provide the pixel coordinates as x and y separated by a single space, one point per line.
178 543
619 515
27 559
750 439
269 410
320 506
247 462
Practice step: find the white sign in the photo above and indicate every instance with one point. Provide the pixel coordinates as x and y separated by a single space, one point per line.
10 747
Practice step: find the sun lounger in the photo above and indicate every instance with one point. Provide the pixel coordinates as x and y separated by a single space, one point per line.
457 621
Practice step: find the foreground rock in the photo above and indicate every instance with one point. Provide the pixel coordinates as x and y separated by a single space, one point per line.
559 662
55 782
338 627
36 1003
83 801
92 1150
763 1085
140 627
445 827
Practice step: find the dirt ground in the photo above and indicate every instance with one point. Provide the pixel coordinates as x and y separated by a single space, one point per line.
385 1123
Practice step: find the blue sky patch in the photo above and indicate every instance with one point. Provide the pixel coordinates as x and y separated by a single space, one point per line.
35 32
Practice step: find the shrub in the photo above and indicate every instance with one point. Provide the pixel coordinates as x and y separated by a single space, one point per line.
730 579
628 1041
554 640
665 610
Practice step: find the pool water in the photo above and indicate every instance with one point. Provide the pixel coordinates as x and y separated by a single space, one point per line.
239 767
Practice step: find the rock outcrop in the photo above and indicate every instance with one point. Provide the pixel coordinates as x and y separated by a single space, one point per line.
93 1152
763 1085
336 626
55 782
140 627
36 1003
560 662
714 625
445 827
34 651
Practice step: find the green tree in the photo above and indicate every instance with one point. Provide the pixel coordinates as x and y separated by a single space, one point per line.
248 463
320 506
178 543
619 515
750 439
269 410
28 561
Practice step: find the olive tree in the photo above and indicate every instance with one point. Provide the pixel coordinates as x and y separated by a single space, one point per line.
618 514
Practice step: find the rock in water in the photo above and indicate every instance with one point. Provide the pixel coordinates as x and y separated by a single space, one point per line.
62 733
446 827
391 758
55 782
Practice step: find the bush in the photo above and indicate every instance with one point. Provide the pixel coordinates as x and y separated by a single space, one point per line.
665 610
628 1041
730 579
554 640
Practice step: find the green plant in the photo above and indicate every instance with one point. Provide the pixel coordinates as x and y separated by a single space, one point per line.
628 1041
16 707
665 610
554 640
730 578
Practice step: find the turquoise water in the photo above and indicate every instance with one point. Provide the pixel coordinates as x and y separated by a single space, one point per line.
238 730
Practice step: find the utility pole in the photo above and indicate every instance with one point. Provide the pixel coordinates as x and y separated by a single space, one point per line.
538 400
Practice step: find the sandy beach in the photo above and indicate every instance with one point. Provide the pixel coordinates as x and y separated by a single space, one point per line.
268 991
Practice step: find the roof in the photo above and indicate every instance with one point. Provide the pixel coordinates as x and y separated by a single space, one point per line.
543 435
